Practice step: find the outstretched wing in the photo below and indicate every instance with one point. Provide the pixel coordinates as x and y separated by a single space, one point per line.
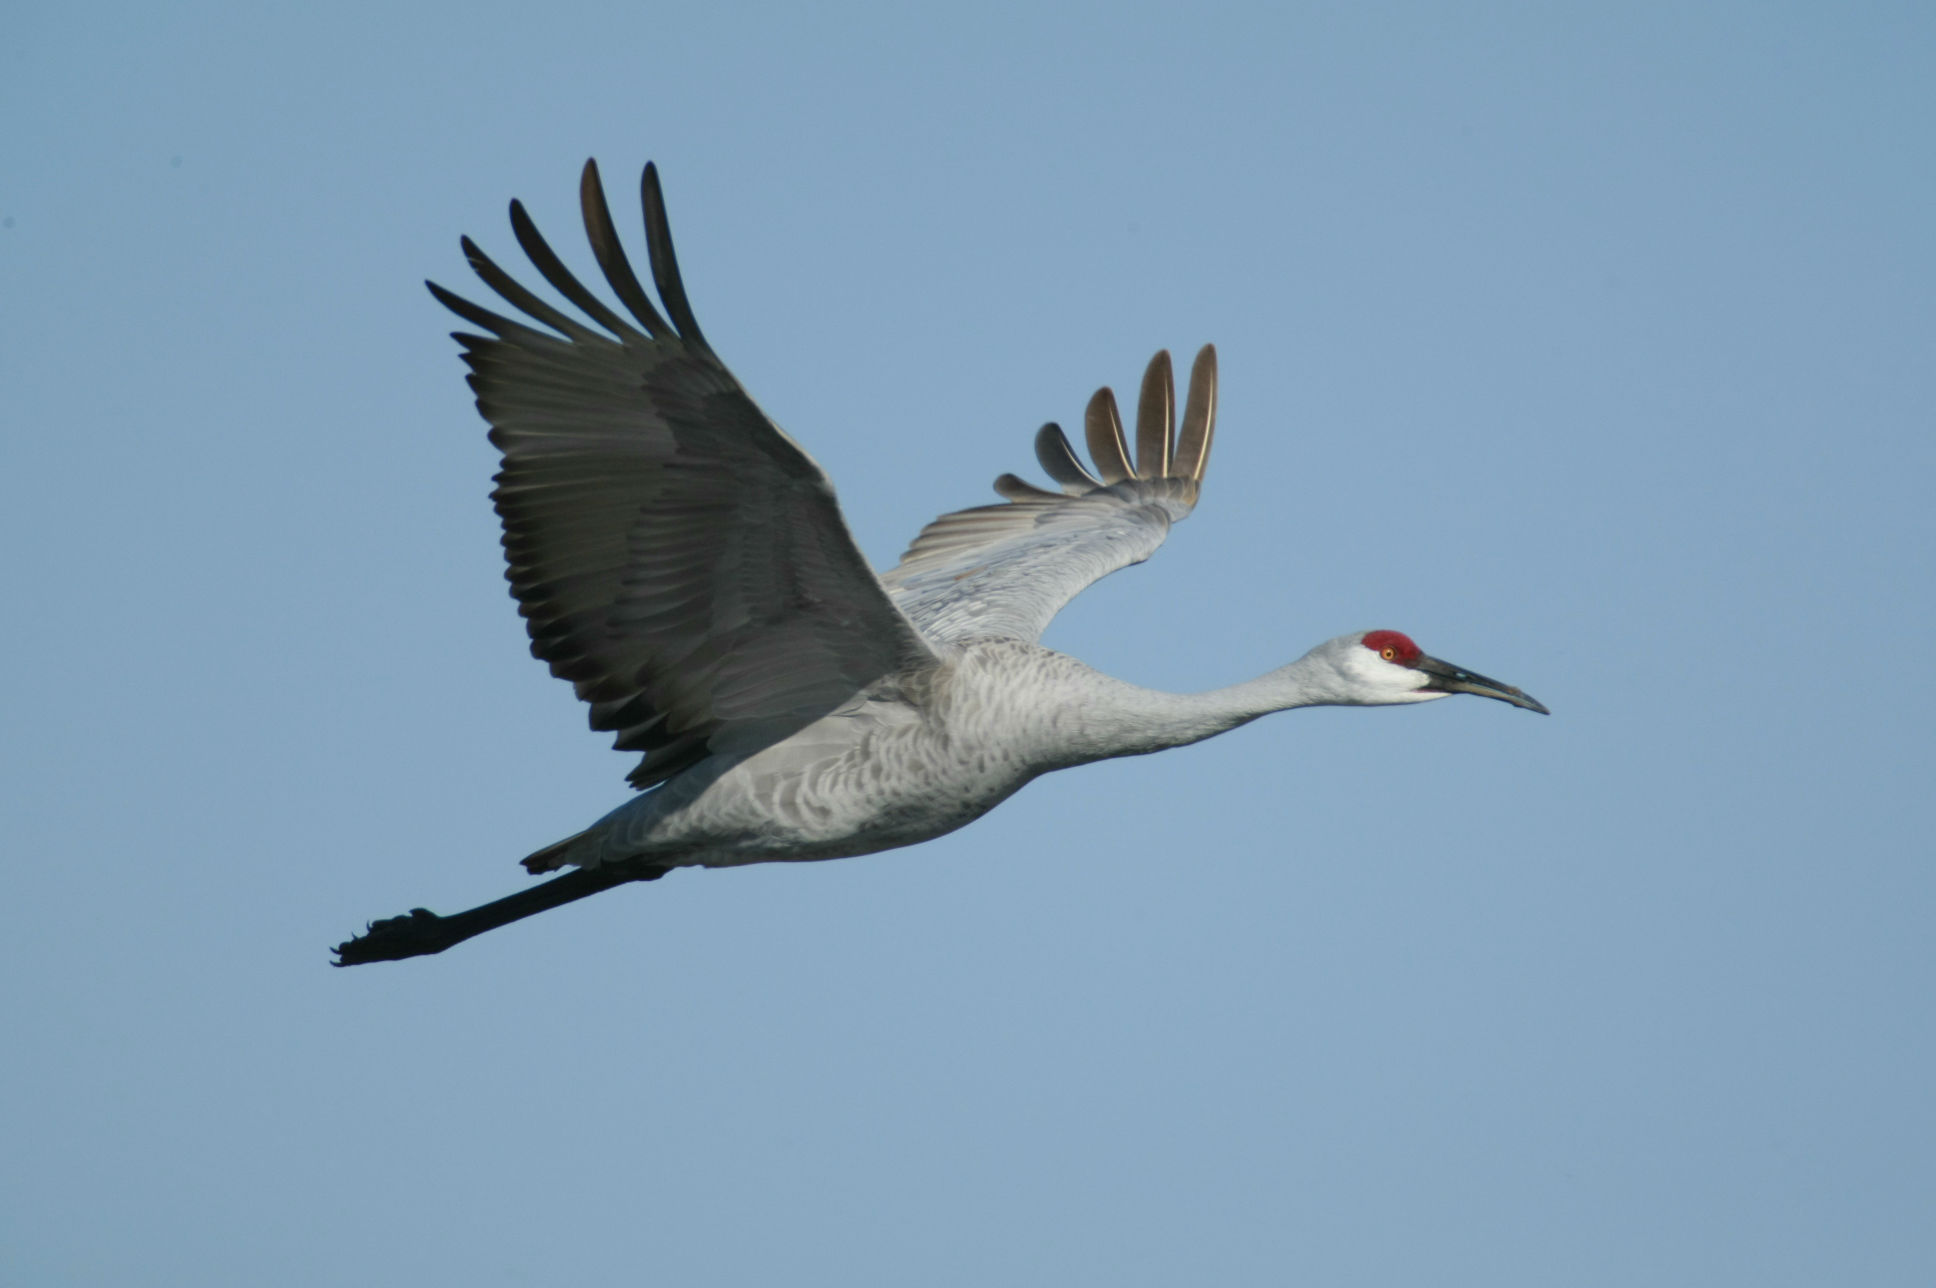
1006 570
675 555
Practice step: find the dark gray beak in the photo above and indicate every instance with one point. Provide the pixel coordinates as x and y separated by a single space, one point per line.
1446 678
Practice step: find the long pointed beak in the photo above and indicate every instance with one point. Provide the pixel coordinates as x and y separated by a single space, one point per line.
1447 678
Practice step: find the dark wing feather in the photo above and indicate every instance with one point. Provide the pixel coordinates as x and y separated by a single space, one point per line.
675 555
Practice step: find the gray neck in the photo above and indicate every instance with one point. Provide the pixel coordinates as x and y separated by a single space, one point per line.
1125 720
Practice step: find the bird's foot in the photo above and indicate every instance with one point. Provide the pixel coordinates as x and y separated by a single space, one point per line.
417 932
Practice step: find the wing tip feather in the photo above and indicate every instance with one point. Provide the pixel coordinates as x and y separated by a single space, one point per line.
1168 447
1199 418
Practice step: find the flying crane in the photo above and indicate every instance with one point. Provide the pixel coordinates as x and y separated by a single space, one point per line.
683 563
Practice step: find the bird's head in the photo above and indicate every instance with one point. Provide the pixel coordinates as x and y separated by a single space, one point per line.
1375 668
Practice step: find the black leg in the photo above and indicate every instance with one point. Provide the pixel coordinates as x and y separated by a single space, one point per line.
421 931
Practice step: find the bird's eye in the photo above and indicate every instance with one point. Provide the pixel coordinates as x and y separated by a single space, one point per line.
1389 653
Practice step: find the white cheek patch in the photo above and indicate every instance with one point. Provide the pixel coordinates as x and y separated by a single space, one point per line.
1380 681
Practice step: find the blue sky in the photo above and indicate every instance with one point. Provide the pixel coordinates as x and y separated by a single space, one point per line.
1591 345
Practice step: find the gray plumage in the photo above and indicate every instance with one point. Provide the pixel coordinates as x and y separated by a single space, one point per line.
683 563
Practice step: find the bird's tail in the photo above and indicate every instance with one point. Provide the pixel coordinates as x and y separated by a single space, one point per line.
553 856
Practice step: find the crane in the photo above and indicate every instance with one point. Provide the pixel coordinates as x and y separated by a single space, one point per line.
684 564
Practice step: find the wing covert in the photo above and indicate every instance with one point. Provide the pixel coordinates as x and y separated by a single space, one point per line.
1006 570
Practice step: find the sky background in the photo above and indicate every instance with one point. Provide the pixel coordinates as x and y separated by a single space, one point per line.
1594 346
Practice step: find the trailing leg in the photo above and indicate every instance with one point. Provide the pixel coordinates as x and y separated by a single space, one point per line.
421 931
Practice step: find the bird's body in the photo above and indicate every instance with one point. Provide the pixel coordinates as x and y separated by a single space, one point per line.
916 756
683 562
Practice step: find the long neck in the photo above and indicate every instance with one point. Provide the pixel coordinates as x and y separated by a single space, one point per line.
1125 720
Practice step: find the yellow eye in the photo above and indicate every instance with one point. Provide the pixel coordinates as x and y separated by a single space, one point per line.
1389 654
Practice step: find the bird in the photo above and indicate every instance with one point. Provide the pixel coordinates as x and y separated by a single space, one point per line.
684 564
